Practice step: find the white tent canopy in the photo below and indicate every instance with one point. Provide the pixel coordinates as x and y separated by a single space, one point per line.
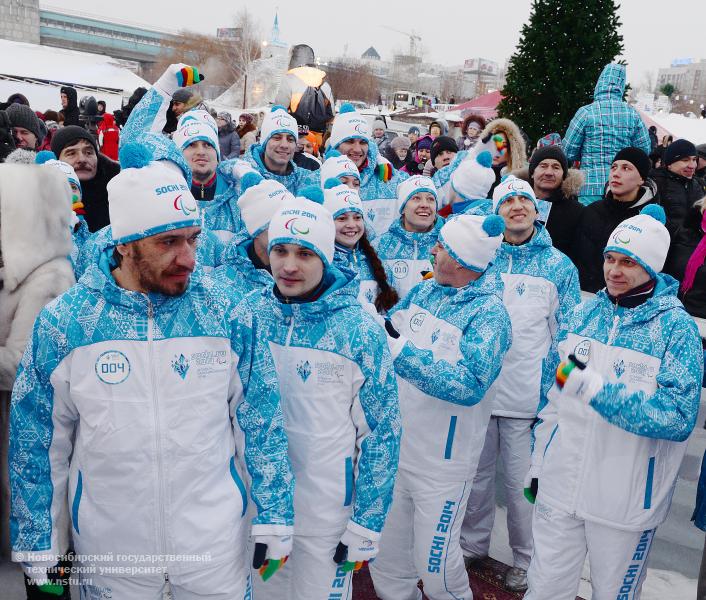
39 71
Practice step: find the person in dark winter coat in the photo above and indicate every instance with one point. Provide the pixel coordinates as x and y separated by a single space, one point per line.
442 152
28 129
77 147
685 261
471 129
69 106
422 153
398 152
678 187
629 191
228 139
556 188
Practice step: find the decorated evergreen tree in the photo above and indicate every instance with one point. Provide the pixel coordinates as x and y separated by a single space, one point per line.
554 69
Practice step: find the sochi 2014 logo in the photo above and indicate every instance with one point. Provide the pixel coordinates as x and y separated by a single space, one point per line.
294 229
185 203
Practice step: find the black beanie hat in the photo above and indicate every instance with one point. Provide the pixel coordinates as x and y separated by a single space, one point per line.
66 136
678 150
441 143
543 153
21 115
638 158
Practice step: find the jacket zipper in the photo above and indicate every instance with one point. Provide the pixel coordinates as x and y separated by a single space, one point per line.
158 435
589 436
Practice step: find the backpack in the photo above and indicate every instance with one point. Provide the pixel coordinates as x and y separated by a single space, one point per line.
314 110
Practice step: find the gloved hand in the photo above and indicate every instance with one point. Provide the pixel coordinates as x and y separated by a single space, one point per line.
354 550
531 486
241 168
45 580
271 552
177 76
575 378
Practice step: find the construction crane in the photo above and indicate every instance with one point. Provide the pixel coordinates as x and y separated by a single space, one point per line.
414 40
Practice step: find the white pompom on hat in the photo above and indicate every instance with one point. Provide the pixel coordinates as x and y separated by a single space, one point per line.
278 120
509 187
349 124
336 166
148 197
473 240
643 238
474 177
340 199
305 222
259 200
414 185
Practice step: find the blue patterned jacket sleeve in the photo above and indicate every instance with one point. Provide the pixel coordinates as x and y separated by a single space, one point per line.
483 346
41 419
641 137
150 114
260 417
379 432
573 141
670 413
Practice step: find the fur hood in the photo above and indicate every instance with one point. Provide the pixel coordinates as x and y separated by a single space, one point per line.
570 186
517 157
35 219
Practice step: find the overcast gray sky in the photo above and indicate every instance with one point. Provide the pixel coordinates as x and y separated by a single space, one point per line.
654 33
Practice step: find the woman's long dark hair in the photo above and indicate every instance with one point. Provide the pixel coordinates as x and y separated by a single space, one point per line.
387 297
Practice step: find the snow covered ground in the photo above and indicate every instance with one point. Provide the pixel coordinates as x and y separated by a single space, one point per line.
680 126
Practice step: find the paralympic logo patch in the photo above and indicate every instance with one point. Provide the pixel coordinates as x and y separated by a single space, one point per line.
185 204
283 122
294 229
621 237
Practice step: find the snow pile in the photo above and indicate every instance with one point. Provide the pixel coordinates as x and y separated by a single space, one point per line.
680 126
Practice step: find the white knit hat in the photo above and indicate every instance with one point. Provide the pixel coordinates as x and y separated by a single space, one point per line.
414 185
337 165
47 157
473 240
198 116
305 222
194 131
347 125
512 186
340 199
643 238
474 177
259 200
278 120
148 197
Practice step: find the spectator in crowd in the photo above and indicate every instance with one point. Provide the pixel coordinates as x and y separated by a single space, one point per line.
28 130
305 93
442 152
32 273
77 147
677 186
183 100
612 430
686 258
109 136
228 139
247 132
397 151
600 129
438 127
7 140
405 249
556 187
528 263
421 154
451 337
701 161
666 140
134 98
379 136
353 249
654 142
306 154
413 134
69 106
15 98
100 105
503 139
471 128
628 191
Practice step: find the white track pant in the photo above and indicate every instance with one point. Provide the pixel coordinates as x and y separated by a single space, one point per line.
420 541
225 582
509 439
618 559
310 573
